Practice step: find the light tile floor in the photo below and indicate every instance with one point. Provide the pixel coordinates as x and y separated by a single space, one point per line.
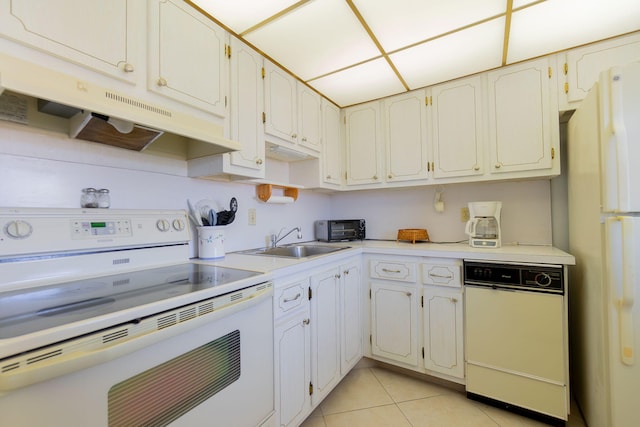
371 396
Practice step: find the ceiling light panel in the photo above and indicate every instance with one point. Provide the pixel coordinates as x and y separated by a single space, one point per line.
315 39
371 80
465 52
400 23
240 15
553 26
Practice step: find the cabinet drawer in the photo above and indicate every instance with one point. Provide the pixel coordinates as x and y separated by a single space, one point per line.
393 270
290 297
442 273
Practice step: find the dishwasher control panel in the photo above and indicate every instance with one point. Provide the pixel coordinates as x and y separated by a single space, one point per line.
515 276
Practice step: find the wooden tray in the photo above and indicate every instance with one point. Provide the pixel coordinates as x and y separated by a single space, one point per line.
413 235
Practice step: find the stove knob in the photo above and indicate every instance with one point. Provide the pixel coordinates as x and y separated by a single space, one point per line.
163 225
18 229
178 224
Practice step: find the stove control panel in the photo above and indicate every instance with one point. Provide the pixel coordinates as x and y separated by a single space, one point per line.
31 231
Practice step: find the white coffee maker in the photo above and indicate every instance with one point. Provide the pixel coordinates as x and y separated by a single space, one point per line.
483 227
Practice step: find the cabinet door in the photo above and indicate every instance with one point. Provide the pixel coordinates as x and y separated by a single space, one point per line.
443 333
583 65
332 144
246 108
363 133
351 296
309 118
292 349
187 60
394 322
406 137
100 36
458 128
325 333
523 117
280 103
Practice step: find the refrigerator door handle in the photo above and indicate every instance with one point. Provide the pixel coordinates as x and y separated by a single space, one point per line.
622 276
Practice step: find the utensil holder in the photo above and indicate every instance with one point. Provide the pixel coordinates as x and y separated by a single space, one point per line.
210 242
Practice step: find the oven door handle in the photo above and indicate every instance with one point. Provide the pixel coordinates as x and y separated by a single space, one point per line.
63 362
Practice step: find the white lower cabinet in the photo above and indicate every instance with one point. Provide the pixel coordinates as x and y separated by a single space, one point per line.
418 314
394 322
318 336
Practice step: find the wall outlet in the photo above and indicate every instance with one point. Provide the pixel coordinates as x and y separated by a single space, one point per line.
252 216
464 214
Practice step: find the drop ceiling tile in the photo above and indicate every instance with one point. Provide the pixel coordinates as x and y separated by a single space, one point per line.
371 80
315 39
469 51
557 25
240 15
401 23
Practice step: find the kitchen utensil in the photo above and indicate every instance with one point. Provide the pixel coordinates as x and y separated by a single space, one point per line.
203 209
227 217
212 217
193 215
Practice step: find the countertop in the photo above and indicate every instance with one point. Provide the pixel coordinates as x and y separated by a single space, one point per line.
508 253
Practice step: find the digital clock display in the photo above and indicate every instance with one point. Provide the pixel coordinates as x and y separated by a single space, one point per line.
98 224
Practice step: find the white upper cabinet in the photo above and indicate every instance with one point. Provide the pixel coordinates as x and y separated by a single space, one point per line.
187 60
523 118
363 140
406 130
246 110
459 132
582 66
332 152
309 118
280 92
100 37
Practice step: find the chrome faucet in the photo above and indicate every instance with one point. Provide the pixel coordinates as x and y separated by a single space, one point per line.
276 238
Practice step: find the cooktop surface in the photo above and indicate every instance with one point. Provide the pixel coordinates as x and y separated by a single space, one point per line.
34 309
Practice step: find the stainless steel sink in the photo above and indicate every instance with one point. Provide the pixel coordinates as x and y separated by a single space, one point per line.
296 251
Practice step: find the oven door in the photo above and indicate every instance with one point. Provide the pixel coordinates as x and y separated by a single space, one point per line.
220 372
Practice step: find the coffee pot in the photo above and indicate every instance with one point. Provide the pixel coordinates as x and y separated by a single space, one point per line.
483 227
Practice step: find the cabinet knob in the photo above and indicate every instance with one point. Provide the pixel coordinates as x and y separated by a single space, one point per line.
389 176
454 300
408 294
162 82
305 322
128 68
346 272
328 177
476 168
294 135
304 139
338 276
497 165
375 177
258 161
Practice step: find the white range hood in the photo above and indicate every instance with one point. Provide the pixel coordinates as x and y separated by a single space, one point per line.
40 82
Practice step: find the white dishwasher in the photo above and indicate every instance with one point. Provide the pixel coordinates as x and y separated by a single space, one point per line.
516 338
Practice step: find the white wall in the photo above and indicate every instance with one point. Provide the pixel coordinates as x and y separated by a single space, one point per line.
526 210
45 169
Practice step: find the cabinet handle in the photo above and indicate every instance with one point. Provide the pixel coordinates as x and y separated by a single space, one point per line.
497 165
386 270
440 276
298 295
338 276
408 294
346 272
162 82
476 168
128 68
294 135
258 161
305 321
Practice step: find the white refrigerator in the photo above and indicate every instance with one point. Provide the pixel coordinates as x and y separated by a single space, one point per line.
603 152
